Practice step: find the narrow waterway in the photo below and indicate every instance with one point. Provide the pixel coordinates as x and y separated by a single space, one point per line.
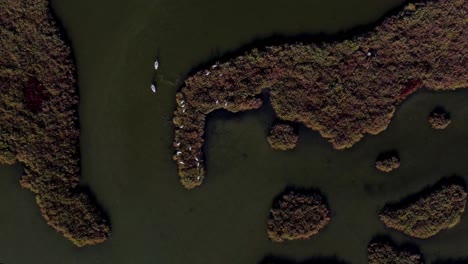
126 137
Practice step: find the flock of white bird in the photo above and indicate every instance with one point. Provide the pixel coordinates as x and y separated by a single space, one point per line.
156 66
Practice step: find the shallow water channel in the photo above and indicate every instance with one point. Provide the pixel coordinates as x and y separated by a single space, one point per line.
126 137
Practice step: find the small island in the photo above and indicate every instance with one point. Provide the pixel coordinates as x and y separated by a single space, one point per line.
39 119
386 252
439 118
425 214
344 88
297 215
282 137
388 161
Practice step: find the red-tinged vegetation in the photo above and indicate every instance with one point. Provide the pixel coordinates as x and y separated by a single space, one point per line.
282 137
33 93
386 252
439 118
342 89
38 118
409 88
427 213
297 215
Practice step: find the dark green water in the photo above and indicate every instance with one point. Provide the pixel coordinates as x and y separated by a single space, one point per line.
127 134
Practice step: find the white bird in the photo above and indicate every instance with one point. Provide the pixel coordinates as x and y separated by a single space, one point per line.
225 104
198 178
181 163
177 144
183 110
217 101
182 102
178 153
196 158
156 64
207 73
181 127
198 164
153 88
190 148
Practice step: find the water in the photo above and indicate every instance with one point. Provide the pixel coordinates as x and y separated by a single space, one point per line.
127 134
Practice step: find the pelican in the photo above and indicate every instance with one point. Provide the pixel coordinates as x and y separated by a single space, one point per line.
153 88
156 64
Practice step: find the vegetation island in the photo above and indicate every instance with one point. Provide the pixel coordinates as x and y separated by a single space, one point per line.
439 118
297 215
388 161
386 252
428 212
282 137
38 119
342 88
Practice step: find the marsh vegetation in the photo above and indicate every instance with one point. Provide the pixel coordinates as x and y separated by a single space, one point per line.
297 214
38 119
344 88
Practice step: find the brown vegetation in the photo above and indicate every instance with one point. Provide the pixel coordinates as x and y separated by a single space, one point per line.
386 252
439 118
427 213
297 215
38 118
342 89
282 137
388 161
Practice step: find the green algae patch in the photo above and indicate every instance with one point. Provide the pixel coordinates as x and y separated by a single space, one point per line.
344 89
38 119
282 137
425 214
439 118
386 252
388 161
297 215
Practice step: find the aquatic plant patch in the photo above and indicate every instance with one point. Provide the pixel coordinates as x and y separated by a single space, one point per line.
38 119
297 215
344 89
425 214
